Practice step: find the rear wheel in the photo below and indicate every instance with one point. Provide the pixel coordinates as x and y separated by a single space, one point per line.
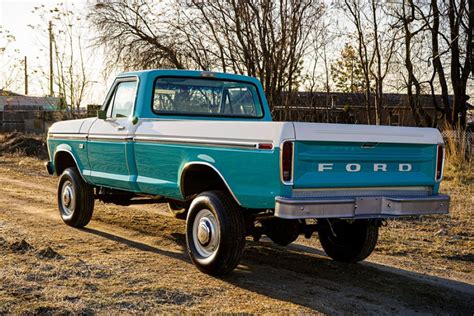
215 233
348 241
75 198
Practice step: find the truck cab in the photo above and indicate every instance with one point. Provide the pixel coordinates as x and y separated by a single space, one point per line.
205 143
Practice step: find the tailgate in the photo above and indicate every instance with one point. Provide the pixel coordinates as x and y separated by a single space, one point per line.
349 156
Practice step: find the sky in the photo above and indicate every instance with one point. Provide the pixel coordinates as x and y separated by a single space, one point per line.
15 16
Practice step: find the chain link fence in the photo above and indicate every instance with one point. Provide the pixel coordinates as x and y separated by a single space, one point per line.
462 140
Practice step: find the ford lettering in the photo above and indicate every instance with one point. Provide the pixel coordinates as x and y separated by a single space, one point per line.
355 167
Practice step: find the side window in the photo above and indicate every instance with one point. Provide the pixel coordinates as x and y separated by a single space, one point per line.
121 104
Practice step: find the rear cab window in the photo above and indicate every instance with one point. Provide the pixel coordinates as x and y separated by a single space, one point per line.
206 97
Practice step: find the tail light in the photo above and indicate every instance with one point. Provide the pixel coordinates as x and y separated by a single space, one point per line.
287 162
439 162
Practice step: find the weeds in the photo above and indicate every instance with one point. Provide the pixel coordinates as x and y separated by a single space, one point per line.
458 164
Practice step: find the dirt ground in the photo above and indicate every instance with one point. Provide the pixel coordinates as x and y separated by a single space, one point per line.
132 260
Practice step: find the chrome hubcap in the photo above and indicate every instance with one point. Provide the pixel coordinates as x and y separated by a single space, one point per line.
67 193
68 198
206 233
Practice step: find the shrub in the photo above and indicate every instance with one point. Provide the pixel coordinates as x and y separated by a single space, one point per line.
458 164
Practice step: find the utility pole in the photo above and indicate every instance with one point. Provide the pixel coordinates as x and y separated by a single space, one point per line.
26 76
50 30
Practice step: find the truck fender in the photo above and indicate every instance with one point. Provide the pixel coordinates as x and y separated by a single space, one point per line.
211 168
65 149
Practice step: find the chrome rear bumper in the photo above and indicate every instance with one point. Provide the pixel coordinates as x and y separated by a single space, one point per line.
361 207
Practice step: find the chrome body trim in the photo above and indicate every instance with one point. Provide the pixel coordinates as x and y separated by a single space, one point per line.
111 138
189 164
67 136
94 137
162 140
361 207
196 141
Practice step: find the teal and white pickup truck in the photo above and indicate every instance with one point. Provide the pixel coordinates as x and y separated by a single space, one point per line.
205 144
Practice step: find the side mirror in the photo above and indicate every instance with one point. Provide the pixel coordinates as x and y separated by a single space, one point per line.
102 115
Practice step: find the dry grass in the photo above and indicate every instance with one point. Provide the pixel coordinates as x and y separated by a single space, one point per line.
447 241
458 165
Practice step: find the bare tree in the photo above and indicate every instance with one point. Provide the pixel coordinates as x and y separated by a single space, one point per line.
260 38
383 47
410 27
322 41
69 35
273 40
10 60
438 68
355 8
137 34
449 24
376 44
461 26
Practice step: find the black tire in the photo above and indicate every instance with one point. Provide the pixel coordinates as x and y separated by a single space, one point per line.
228 227
75 211
178 209
348 242
281 231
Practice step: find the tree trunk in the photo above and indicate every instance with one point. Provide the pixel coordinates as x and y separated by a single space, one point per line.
438 66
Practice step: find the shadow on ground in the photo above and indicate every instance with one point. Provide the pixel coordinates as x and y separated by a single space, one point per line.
304 276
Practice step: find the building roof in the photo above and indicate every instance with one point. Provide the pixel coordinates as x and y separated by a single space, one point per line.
342 99
13 101
6 93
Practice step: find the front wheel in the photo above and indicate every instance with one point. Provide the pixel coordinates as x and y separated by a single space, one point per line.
348 241
215 233
75 198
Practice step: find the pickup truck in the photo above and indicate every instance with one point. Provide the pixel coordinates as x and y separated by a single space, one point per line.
205 143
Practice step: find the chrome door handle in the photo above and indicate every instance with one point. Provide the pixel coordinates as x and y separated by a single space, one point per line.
120 128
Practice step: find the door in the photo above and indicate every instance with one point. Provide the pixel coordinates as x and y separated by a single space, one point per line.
110 139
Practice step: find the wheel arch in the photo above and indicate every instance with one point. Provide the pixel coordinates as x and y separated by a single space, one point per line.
190 185
64 158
